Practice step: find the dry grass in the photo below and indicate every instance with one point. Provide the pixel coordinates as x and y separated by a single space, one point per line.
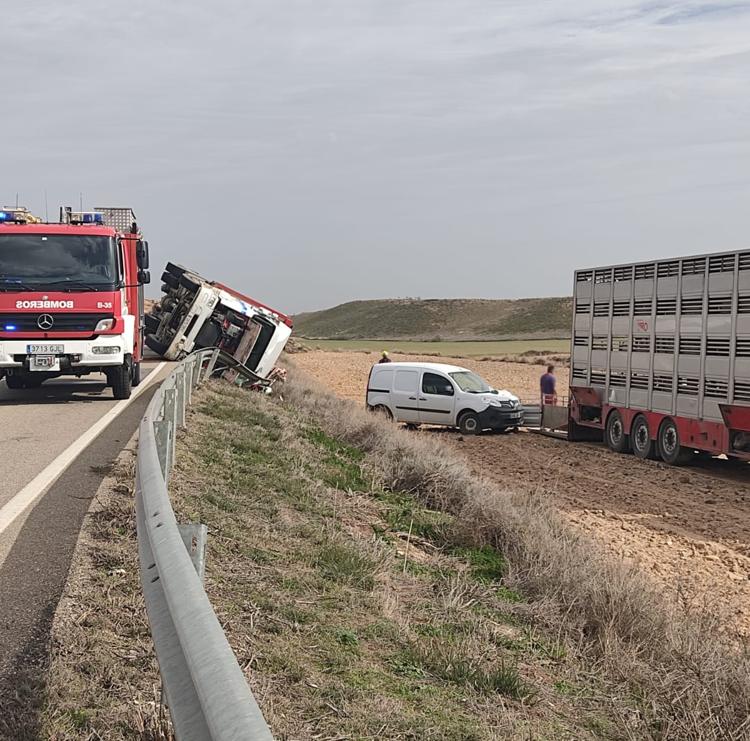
359 611
690 680
103 680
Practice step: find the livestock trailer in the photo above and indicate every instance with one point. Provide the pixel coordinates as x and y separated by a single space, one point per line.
660 357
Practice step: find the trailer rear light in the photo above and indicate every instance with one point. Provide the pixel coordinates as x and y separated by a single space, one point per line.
104 325
105 350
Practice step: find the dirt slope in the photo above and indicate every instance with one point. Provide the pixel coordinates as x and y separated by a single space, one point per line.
446 319
690 528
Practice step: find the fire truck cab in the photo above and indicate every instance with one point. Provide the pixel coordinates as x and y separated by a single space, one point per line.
71 297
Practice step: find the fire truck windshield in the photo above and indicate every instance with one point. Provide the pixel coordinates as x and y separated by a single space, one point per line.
30 262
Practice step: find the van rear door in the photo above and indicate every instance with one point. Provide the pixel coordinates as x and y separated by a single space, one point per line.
405 404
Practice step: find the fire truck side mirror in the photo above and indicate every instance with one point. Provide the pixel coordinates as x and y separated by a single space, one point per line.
141 254
144 277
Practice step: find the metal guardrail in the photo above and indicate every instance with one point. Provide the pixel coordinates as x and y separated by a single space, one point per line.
203 685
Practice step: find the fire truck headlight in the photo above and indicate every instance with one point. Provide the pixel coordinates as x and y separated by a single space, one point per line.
104 325
105 349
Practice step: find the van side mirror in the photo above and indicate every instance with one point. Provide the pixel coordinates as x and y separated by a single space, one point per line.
144 277
141 254
448 390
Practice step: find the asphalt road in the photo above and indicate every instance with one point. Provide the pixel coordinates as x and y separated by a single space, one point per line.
37 427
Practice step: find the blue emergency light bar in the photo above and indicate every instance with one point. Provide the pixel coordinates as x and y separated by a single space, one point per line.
9 215
86 217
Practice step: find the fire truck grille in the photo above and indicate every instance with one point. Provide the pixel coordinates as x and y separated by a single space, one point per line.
60 322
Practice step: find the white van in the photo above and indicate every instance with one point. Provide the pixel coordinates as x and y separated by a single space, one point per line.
438 394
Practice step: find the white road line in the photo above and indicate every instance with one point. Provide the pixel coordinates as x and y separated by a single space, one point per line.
44 479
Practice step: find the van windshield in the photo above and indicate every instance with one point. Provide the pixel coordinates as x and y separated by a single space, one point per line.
470 382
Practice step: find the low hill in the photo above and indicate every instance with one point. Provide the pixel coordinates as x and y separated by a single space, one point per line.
444 319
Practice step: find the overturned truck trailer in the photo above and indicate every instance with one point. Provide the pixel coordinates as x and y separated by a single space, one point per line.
195 313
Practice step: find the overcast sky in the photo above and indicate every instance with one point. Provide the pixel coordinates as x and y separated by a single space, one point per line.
310 152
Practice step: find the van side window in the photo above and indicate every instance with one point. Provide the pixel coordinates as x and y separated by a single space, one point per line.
406 380
434 384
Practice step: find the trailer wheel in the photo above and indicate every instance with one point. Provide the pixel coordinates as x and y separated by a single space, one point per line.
121 380
469 424
640 439
158 347
170 280
176 270
151 323
614 434
187 282
670 449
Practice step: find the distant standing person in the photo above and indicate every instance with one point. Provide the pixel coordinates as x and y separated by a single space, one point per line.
547 386
384 357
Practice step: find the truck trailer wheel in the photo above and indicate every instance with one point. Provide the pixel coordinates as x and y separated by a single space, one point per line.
469 424
121 380
614 434
187 282
158 347
151 323
669 445
176 270
640 439
170 280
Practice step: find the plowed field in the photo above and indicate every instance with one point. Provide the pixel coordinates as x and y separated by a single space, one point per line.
689 528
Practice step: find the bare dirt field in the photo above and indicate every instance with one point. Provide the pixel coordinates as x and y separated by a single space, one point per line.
689 528
346 372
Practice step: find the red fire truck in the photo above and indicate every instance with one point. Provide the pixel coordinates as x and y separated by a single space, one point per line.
71 297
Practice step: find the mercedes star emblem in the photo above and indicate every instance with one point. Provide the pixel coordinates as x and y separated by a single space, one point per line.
45 322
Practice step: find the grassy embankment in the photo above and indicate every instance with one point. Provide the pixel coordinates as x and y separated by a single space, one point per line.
440 320
372 588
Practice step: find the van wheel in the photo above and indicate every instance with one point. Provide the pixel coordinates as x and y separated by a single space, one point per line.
468 423
614 434
411 426
640 439
669 445
383 411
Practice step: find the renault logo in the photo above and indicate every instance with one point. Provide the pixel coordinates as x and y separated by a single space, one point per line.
45 322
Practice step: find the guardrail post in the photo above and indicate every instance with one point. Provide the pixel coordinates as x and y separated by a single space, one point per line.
170 408
212 363
197 363
179 382
194 536
164 435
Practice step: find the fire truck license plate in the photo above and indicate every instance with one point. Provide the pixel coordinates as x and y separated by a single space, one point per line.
45 349
44 363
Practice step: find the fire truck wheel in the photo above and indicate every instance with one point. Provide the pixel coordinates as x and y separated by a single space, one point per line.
121 381
615 436
669 445
640 438
14 382
135 374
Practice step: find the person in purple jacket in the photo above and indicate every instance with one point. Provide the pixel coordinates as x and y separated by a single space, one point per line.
547 385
